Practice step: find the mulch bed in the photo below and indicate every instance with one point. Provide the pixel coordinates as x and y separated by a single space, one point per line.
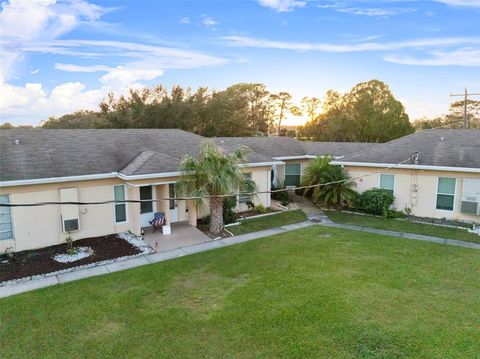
34 262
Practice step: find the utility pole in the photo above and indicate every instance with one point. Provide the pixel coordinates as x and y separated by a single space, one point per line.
465 96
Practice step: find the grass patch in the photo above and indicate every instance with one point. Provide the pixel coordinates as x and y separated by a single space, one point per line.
299 294
274 220
403 226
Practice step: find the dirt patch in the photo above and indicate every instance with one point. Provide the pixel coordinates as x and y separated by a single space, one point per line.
29 263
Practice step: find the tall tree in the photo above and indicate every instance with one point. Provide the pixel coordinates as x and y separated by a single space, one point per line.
454 117
283 104
367 113
214 174
311 106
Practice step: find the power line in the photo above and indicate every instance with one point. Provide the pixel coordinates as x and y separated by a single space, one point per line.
37 204
465 96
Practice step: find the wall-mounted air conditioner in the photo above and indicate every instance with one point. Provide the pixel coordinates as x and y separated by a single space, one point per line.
471 196
69 212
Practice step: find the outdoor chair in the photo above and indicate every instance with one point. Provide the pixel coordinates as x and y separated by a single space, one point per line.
158 220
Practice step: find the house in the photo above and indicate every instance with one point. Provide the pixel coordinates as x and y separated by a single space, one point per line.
440 180
99 165
293 154
432 173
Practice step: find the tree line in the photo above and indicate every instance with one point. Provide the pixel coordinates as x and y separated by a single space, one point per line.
367 113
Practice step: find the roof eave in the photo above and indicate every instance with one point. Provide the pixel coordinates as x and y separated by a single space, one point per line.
408 166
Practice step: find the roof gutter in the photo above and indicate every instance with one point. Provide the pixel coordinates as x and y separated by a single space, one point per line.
408 166
302 157
122 176
261 164
57 179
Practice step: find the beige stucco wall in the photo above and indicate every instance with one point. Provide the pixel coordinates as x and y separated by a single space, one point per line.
423 202
37 227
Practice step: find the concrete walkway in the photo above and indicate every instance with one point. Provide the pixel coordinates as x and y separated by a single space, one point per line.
12 289
316 215
418 237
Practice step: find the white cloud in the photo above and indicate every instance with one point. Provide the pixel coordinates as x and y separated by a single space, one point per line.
209 21
352 47
124 77
465 3
282 5
458 57
34 26
34 20
77 68
384 12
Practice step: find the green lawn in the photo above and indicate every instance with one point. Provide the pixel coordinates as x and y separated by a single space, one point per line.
312 293
403 226
274 220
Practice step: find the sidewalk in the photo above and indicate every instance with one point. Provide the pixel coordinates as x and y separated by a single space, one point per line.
27 286
418 237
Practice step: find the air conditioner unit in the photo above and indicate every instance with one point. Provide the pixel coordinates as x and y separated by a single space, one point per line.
70 225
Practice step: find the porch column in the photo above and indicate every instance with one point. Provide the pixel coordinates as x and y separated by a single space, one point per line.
163 205
192 213
134 194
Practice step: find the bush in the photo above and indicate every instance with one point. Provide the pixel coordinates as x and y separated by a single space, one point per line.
376 201
260 208
282 196
229 215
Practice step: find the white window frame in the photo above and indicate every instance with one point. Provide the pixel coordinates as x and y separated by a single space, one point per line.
117 204
299 175
11 221
446 194
380 181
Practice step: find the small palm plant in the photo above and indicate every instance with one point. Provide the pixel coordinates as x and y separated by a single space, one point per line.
338 185
213 176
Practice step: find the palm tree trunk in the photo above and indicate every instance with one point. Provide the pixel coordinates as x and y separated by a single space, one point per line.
216 215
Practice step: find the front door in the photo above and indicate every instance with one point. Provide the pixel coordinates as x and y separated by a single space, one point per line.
147 208
173 203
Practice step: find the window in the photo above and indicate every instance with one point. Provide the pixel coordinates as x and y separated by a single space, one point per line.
292 174
146 194
120 208
244 198
387 182
446 193
6 230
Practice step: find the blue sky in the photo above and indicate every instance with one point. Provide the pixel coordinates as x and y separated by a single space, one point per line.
57 57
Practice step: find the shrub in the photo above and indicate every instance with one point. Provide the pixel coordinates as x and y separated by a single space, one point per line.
229 215
260 208
281 196
375 201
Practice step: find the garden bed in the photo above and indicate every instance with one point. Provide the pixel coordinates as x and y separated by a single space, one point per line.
40 261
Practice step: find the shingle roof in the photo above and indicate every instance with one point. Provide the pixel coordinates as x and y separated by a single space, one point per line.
42 153
437 147
336 149
269 146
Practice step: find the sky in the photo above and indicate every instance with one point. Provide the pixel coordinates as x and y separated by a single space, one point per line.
57 57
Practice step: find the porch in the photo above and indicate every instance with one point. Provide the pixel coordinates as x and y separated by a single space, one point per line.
182 235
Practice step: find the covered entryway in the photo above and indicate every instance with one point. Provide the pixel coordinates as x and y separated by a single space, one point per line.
182 235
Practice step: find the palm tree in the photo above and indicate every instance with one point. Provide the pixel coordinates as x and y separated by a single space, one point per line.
337 188
213 175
